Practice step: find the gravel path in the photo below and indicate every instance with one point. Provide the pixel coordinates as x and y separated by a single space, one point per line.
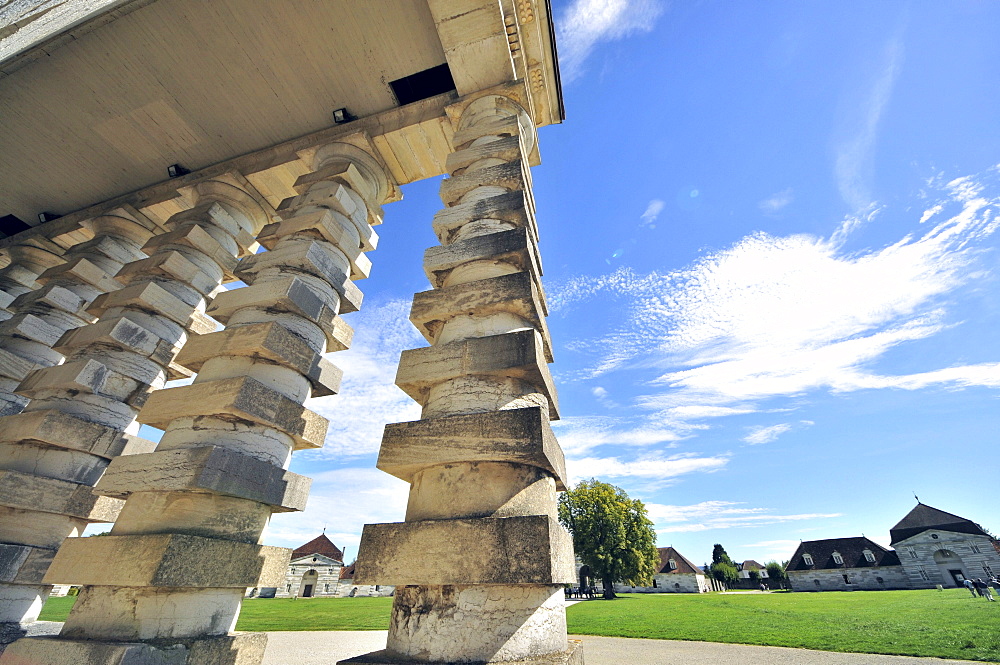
326 648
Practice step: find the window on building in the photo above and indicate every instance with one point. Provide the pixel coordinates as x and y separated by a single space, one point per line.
326 588
880 580
677 585
807 558
912 552
869 556
975 548
288 588
654 583
987 570
847 579
333 570
934 536
837 559
672 564
923 574
816 582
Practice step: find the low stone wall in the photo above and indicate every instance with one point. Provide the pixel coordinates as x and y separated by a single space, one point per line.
861 579
668 583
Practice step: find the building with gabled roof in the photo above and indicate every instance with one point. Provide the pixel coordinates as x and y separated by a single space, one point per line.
936 547
675 574
845 564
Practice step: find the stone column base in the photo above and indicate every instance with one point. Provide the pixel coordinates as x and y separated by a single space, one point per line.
571 656
240 649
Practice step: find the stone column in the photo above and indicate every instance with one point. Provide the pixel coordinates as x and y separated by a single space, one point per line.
480 561
40 317
169 579
52 454
28 259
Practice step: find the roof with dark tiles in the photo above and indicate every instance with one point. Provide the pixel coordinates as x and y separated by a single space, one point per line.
851 550
319 545
926 518
683 564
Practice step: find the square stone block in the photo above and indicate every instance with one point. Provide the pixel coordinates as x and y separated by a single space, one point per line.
512 176
216 214
61 430
270 341
518 208
196 237
516 247
241 397
286 295
506 149
532 549
15 367
88 376
333 194
311 259
573 655
519 354
82 270
237 649
514 293
172 265
50 295
23 564
206 469
331 226
49 495
167 560
522 436
152 297
31 327
117 332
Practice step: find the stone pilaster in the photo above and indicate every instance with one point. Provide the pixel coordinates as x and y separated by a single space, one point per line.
169 579
480 561
40 317
53 452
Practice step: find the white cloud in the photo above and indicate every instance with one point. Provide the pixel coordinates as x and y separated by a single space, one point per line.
759 435
776 202
581 434
653 467
368 397
854 165
777 550
652 212
585 23
781 316
709 515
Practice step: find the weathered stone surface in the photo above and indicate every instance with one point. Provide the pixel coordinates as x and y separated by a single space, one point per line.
241 397
170 265
531 549
118 333
515 247
334 195
195 237
522 436
48 495
23 564
512 176
518 354
269 341
206 469
572 656
517 208
15 367
50 295
61 430
167 560
30 327
83 270
238 649
514 293
87 376
330 226
505 149
151 297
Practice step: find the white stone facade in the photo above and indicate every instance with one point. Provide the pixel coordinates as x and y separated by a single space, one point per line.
849 579
669 583
312 576
940 557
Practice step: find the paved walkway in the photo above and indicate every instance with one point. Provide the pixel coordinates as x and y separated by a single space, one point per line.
326 648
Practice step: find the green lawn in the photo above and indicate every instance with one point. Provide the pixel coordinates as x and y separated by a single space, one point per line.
944 624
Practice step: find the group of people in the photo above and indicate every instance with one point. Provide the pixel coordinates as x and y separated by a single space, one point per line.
582 592
978 587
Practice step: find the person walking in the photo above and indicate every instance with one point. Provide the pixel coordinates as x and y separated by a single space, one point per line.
983 590
970 586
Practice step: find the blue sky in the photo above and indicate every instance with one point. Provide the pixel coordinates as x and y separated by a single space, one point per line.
770 239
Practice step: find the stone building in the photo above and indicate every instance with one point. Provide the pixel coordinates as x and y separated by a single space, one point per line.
845 564
313 572
675 574
161 145
936 547
348 589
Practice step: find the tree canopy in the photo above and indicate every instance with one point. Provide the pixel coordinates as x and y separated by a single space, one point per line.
611 534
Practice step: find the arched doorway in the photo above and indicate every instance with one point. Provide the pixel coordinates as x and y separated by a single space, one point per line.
952 568
308 586
585 578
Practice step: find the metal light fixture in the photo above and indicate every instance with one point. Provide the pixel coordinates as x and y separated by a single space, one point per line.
47 217
340 116
176 171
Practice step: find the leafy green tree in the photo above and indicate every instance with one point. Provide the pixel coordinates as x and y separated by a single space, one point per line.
719 555
776 572
611 534
754 576
725 573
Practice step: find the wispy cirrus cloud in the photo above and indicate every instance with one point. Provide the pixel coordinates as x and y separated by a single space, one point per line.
776 202
708 515
759 435
780 316
854 163
663 469
652 212
368 396
586 23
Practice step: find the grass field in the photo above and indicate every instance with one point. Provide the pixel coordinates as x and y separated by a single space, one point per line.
943 624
